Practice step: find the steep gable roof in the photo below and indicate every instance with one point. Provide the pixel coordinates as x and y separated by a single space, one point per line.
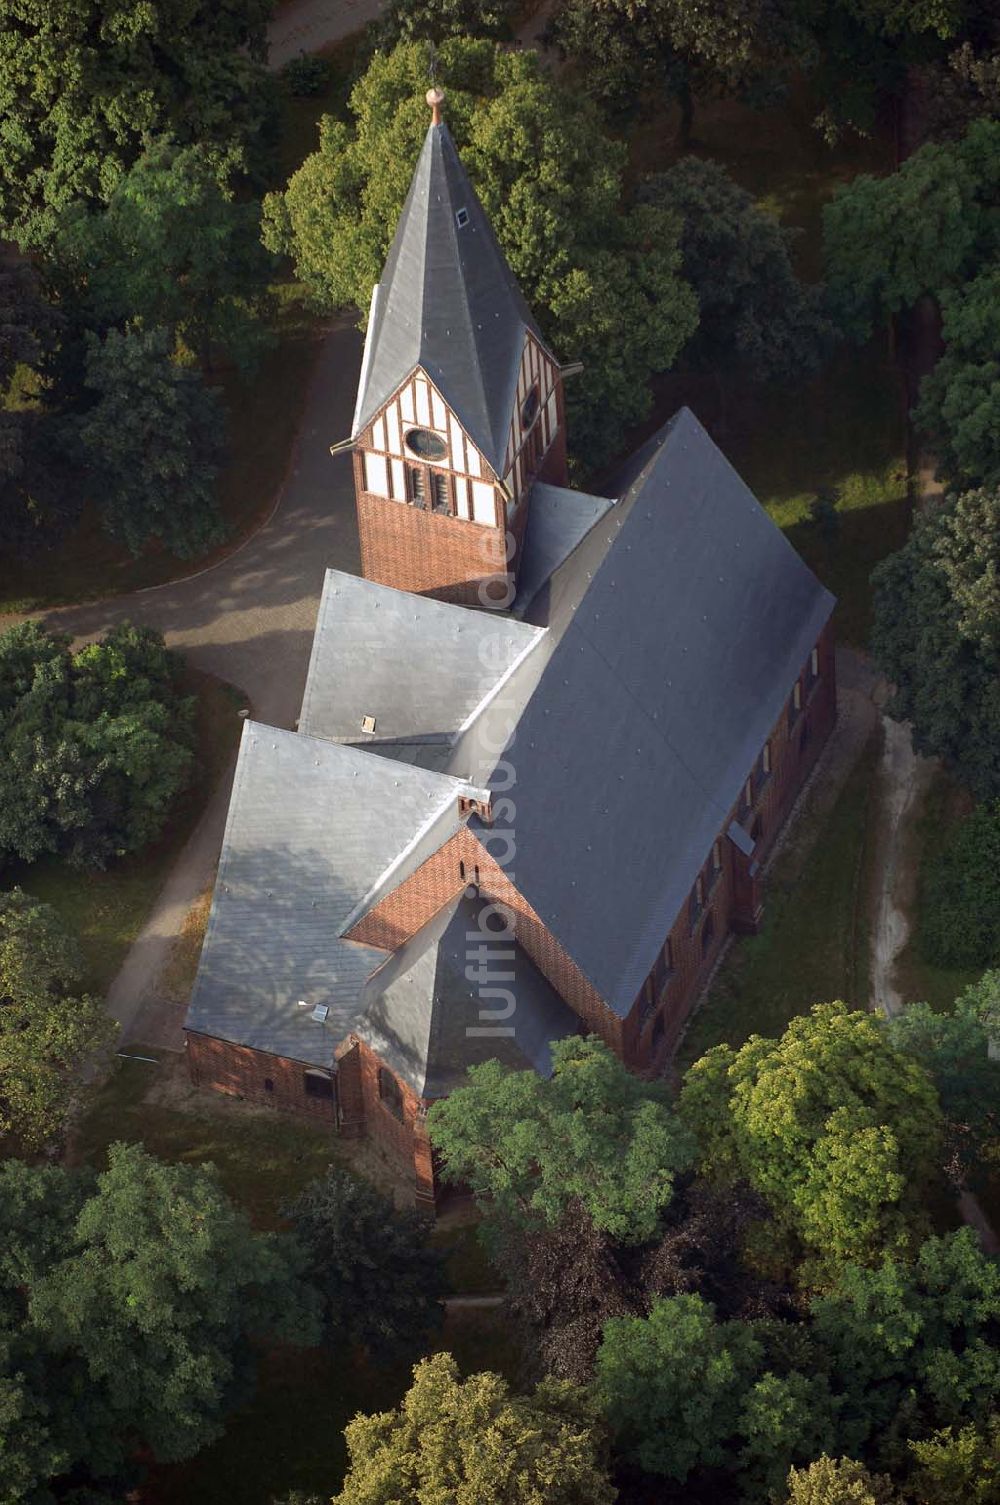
447 302
429 1023
316 834
420 668
675 633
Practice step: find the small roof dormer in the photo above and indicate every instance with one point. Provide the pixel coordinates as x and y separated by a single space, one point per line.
447 303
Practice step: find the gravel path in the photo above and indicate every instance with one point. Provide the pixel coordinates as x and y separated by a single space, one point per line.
310 25
249 620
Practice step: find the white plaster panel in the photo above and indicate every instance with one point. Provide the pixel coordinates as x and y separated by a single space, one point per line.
484 508
376 474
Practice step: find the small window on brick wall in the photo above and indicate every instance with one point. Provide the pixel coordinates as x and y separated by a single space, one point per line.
268 1084
658 1031
707 934
390 1093
317 1083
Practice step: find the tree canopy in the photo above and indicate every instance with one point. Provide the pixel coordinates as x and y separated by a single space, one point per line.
923 229
172 248
959 406
380 1281
84 83
152 441
936 635
94 746
753 312
472 1440
592 1133
49 1031
839 1132
127 1311
34 506
954 1050
602 279
839 1481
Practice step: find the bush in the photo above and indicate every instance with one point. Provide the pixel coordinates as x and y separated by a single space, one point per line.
306 75
960 907
94 746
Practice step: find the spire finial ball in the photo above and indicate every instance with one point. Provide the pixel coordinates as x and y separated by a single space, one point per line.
435 98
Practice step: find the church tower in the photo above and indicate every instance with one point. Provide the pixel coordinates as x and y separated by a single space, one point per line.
460 402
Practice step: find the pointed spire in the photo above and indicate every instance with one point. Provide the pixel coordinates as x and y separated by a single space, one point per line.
447 301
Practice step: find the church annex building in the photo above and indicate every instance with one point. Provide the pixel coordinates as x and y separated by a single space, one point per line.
546 741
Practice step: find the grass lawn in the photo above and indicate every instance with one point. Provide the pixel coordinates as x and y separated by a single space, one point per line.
920 980
290 1435
298 133
263 1157
106 910
814 944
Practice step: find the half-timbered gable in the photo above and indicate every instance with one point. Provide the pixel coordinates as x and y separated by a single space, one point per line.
459 404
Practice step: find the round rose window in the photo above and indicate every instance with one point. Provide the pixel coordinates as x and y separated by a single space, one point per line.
427 445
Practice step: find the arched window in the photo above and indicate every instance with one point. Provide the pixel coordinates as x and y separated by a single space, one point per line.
390 1093
658 1031
707 934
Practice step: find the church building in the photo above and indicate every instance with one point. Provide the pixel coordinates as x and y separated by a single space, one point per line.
547 738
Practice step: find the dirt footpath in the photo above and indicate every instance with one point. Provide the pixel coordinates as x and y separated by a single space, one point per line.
904 779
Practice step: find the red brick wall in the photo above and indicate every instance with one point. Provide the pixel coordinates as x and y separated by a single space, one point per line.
242 1072
439 879
427 552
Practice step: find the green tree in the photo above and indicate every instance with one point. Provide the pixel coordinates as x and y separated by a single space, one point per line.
592 1133
94 748
959 407
49 1033
671 48
128 1313
754 313
936 638
961 89
172 248
839 1132
913 1346
887 241
435 20
954 1050
839 1481
84 83
962 1464
153 442
36 506
602 279
470 1440
672 1384
380 1281
960 897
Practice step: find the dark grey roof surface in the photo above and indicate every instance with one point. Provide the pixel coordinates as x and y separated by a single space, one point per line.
316 833
447 302
558 520
676 631
429 1023
420 667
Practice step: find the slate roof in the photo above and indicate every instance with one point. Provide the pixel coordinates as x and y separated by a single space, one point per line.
429 1023
420 667
558 520
676 630
448 302
316 833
